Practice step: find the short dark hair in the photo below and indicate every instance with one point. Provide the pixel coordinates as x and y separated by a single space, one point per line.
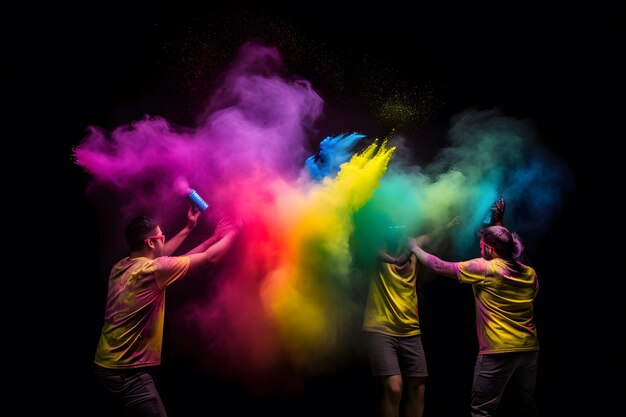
508 245
138 230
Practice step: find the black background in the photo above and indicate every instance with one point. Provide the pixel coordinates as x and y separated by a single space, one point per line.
109 63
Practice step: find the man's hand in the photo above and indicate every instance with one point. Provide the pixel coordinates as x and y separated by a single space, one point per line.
192 217
498 213
454 222
227 225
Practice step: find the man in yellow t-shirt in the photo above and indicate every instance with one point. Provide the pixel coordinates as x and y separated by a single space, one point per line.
504 292
392 330
130 343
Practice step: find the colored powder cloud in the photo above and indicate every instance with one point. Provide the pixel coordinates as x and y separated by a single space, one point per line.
333 152
254 128
288 299
489 154
284 303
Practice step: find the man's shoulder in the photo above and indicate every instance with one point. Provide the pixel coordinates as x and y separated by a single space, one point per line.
165 261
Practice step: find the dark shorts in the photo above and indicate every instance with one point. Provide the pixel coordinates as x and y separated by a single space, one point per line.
396 355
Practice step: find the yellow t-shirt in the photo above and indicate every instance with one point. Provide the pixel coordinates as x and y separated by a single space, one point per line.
504 293
392 302
132 333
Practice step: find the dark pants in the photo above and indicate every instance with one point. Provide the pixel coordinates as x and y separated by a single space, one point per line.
131 392
493 372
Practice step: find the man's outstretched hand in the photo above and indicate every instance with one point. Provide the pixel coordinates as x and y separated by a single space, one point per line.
498 213
228 225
